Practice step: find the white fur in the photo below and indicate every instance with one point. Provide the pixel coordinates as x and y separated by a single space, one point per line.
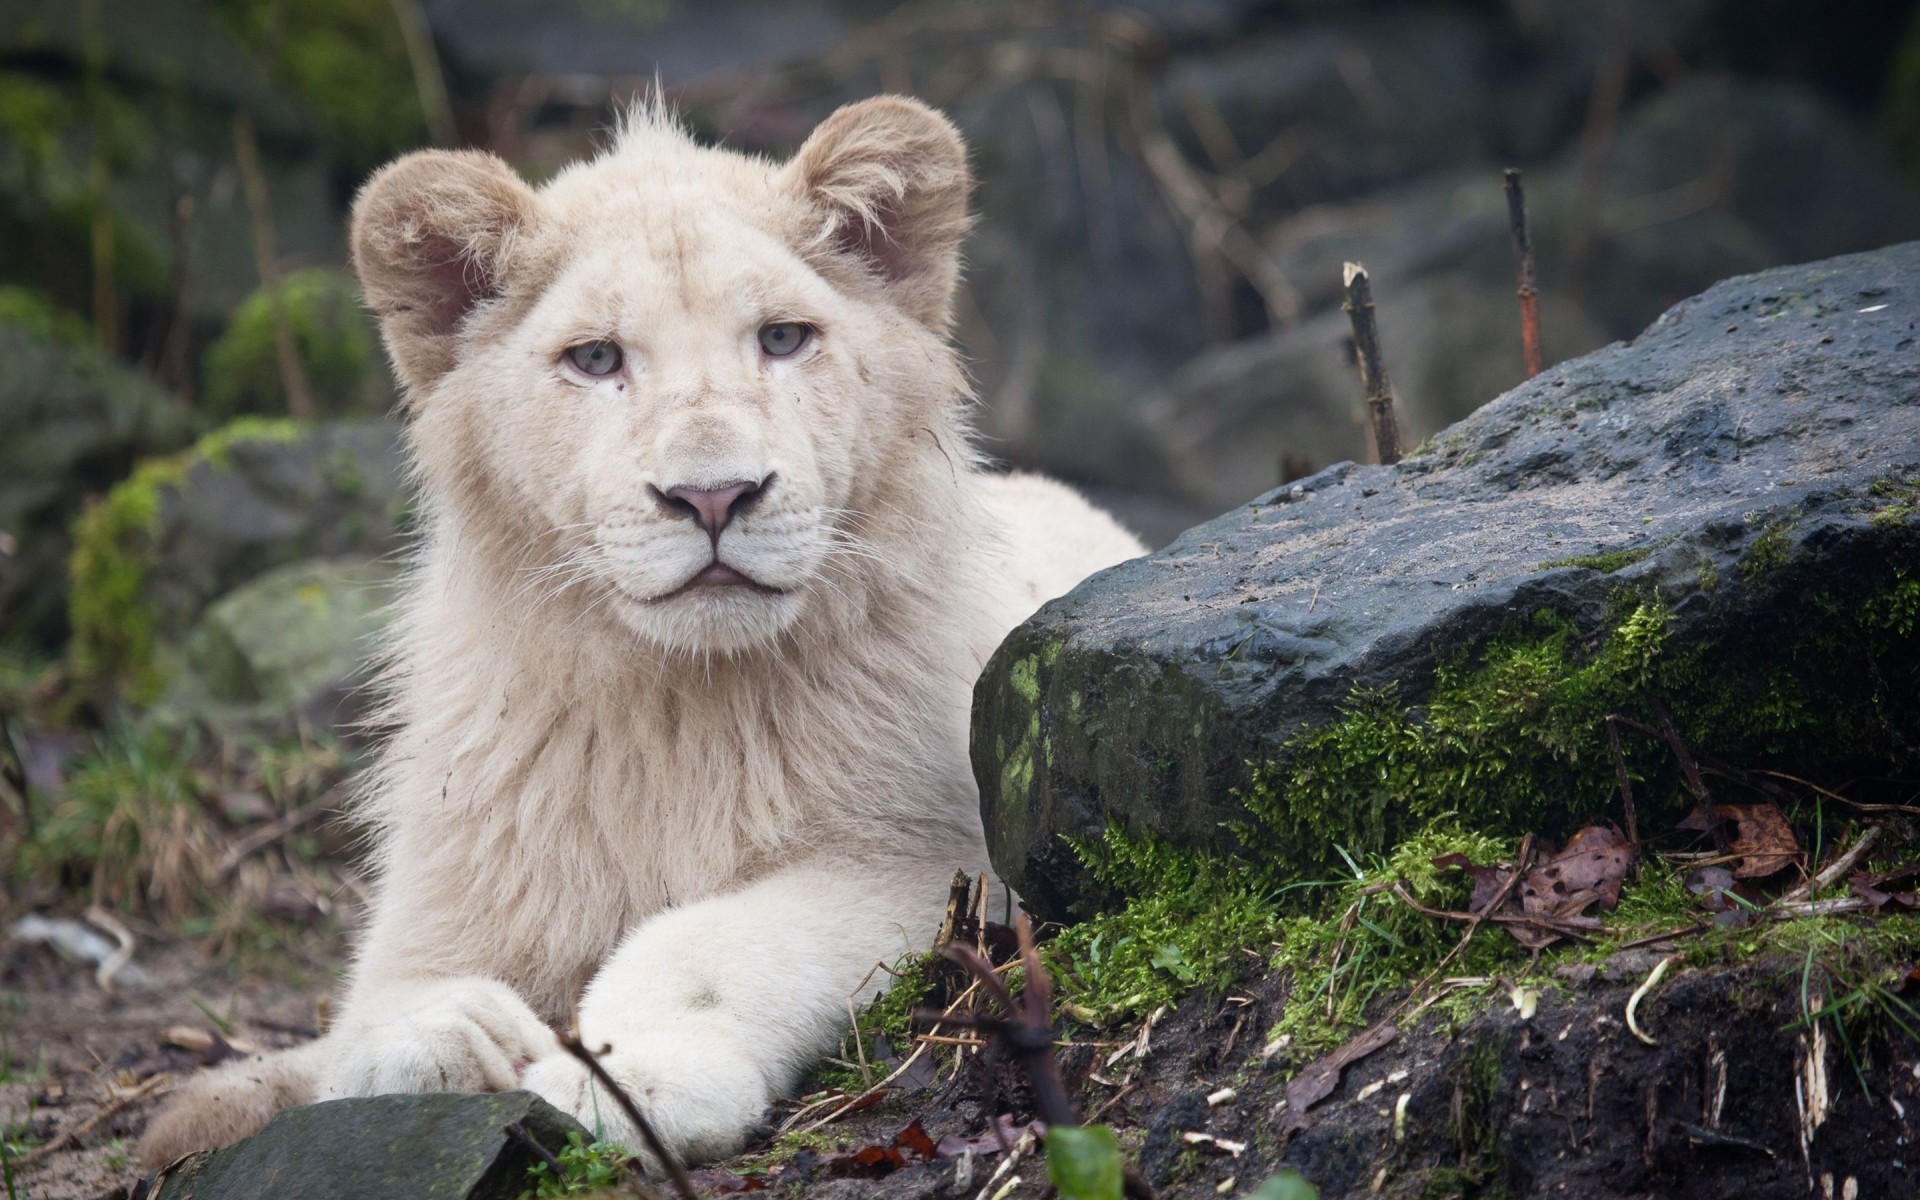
698 820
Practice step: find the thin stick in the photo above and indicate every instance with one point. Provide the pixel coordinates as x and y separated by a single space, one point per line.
1620 773
1522 863
428 80
151 1087
571 1043
253 183
1524 282
860 1099
1381 417
518 1133
1840 866
267 835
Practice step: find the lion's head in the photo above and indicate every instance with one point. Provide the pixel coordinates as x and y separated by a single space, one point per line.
674 378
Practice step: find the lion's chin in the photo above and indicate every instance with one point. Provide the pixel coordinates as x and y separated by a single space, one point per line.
699 622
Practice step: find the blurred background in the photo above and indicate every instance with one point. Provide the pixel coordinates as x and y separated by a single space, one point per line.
199 496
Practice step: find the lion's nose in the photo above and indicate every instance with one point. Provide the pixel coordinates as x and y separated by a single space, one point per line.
713 508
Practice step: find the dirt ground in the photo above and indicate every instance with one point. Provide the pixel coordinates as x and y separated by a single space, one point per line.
71 1048
1734 1098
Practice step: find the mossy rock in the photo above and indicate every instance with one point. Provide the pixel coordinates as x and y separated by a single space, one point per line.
185 530
75 421
334 338
1714 521
285 652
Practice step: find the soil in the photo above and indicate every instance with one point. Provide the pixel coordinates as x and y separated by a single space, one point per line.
1566 1102
69 1045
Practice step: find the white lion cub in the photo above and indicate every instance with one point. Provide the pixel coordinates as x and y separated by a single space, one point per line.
683 679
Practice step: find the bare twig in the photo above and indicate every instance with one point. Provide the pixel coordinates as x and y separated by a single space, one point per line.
267 835
1839 867
518 1133
152 1087
428 80
1027 1030
1604 103
106 303
1381 417
1522 863
1626 784
677 1174
1909 809
253 182
855 1102
1523 268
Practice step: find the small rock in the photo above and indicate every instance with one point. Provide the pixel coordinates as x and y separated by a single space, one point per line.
437 1146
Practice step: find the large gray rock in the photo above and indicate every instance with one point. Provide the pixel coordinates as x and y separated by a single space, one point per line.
75 420
184 531
437 1146
1720 520
287 651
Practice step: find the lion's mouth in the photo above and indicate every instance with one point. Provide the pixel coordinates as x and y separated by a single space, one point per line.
717 574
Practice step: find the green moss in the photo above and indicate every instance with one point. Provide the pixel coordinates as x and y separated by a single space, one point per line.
1511 738
1606 563
1707 576
887 1019
1188 919
1515 735
1361 940
1769 552
1894 501
112 632
34 311
114 635
331 332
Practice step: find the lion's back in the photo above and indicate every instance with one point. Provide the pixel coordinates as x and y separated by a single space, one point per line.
1054 538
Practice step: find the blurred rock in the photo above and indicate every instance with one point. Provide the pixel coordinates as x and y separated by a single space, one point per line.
75 420
1239 419
1706 180
1720 520
183 531
1354 101
287 652
435 1146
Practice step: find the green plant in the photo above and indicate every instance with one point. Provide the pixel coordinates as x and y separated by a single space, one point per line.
1606 563
585 1168
1187 918
1083 1162
130 826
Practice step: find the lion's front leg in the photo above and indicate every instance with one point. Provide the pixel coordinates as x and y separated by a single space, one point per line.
709 1012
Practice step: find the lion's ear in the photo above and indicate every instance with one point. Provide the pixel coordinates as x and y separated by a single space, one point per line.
891 177
433 236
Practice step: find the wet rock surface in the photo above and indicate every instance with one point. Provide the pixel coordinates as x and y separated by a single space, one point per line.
429 1147
1754 448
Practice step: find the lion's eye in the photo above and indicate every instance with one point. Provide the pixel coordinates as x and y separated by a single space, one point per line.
784 337
595 358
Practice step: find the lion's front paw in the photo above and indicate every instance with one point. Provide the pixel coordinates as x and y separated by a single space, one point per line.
473 1037
704 1100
